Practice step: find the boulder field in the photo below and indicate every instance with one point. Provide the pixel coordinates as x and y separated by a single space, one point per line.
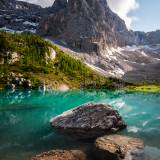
98 123
114 147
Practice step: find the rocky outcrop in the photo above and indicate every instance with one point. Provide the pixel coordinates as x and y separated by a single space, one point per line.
116 147
153 37
84 25
89 121
17 81
18 16
7 4
90 26
61 155
14 4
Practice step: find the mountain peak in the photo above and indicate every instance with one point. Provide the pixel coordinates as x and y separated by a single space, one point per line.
88 25
59 4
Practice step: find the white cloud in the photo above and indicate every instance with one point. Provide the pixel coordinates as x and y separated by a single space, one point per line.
122 8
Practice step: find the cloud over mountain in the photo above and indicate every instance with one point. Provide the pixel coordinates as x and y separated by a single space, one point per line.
121 7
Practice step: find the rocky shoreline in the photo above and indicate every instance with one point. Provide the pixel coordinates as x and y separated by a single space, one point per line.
99 123
15 81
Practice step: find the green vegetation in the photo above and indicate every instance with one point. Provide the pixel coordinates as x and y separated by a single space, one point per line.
31 50
32 62
145 88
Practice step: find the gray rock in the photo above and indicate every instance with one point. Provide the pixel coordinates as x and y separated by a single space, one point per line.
116 147
10 86
90 26
89 121
61 155
27 84
136 154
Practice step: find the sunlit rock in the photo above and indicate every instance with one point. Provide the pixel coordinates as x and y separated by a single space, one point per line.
89 121
116 147
61 155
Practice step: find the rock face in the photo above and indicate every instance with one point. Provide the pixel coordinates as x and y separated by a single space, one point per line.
87 25
116 147
89 121
90 26
17 16
61 155
14 81
10 4
101 39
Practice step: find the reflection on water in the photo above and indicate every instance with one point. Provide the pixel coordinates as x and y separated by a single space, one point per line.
25 115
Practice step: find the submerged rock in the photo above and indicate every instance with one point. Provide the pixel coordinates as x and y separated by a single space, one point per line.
61 155
116 147
10 86
89 121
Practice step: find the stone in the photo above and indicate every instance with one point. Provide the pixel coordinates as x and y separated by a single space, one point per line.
61 155
27 84
119 147
42 87
14 14
10 86
136 154
14 57
89 121
50 56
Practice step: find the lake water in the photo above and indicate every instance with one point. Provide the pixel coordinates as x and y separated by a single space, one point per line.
25 129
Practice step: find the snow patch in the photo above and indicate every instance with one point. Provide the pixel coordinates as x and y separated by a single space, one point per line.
31 30
144 54
18 19
9 30
30 23
131 48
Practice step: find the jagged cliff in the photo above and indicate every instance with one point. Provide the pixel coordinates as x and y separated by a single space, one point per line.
18 16
13 4
87 25
90 26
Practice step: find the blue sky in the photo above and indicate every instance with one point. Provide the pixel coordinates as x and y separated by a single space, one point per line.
147 15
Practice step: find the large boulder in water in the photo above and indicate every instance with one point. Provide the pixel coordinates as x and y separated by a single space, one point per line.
116 147
61 155
89 121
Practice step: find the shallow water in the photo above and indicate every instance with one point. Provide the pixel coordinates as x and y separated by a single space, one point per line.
25 129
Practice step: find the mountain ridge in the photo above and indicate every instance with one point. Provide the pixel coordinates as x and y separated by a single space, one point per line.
79 23
96 34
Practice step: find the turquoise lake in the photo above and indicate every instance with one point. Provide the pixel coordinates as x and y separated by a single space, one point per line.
25 129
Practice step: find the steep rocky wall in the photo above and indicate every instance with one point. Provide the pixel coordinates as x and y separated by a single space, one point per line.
87 25
90 26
